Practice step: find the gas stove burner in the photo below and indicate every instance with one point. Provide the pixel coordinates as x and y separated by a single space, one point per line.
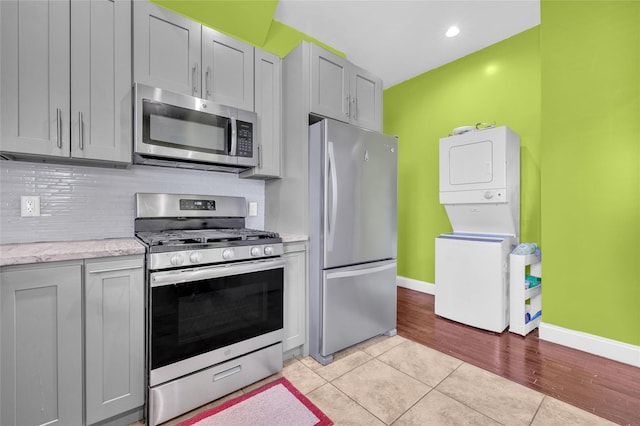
203 236
178 233
198 239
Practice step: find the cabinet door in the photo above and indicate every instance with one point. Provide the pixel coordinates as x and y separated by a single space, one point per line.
41 345
101 80
268 101
329 84
227 70
295 283
366 99
114 341
166 49
35 77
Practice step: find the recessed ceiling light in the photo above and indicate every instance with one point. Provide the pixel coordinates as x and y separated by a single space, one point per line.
452 31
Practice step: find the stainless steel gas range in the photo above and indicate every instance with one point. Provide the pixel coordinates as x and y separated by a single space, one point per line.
215 300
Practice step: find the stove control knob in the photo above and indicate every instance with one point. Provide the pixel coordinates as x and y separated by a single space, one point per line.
227 254
268 251
176 260
488 195
195 257
255 251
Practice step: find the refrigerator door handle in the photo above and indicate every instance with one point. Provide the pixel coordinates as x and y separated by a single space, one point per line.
334 195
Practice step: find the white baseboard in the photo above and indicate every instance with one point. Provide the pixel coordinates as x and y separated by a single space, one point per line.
416 285
607 348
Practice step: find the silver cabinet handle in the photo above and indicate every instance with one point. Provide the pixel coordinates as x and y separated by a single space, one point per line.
207 83
59 127
193 77
346 112
81 129
259 157
198 82
354 101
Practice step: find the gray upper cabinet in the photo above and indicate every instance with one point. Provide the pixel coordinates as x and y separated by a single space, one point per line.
227 70
343 91
66 81
329 84
268 106
180 55
114 342
166 49
101 80
35 83
41 341
365 95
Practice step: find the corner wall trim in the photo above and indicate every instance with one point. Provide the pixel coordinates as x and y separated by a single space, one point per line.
607 348
421 286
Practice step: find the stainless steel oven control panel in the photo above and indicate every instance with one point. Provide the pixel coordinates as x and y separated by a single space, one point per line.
174 259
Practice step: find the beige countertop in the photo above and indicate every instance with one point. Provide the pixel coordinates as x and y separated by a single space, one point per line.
24 253
292 238
18 254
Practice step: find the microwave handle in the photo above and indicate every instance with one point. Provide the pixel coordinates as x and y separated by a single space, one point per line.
234 136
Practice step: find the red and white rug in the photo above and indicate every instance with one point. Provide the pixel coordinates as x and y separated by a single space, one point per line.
277 403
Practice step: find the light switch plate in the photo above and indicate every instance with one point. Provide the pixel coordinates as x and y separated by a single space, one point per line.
253 208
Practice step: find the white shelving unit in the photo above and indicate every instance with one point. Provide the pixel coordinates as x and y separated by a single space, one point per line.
519 294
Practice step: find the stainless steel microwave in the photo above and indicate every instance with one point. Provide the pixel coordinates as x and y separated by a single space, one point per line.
172 129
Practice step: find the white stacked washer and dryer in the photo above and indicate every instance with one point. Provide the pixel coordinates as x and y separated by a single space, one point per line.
480 190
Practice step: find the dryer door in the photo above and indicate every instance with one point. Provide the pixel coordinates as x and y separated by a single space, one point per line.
473 166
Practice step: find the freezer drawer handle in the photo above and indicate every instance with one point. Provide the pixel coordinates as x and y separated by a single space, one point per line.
360 271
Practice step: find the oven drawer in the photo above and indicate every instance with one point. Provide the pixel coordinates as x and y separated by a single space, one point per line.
171 399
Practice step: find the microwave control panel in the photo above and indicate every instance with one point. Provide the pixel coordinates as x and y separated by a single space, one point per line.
245 139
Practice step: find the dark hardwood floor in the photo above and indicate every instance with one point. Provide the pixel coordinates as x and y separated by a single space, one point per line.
604 387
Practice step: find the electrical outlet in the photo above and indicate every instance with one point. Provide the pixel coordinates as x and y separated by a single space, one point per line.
29 205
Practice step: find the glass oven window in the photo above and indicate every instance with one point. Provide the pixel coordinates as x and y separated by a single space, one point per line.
176 127
192 318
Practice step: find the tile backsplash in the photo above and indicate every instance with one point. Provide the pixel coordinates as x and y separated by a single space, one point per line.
86 203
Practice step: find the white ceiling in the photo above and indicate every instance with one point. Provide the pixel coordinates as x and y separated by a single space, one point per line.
399 39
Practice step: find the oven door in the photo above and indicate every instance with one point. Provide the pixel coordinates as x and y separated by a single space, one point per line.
203 316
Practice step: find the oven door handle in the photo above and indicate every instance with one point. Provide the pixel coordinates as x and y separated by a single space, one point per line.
186 275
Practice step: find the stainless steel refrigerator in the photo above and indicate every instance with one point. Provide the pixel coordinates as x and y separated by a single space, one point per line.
352 223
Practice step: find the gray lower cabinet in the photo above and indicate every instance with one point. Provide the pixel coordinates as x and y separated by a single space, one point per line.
295 292
42 352
114 336
41 345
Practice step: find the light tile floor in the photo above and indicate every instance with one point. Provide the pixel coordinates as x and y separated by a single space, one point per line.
394 381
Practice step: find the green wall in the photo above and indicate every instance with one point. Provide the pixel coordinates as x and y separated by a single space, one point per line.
247 20
590 55
500 83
